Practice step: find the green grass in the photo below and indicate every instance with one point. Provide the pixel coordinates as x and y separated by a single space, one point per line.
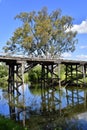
7 124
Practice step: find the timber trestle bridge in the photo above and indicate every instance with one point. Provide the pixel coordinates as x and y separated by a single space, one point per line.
75 71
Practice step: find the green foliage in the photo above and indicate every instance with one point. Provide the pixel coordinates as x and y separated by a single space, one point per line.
3 74
26 79
7 124
43 33
3 70
62 72
34 73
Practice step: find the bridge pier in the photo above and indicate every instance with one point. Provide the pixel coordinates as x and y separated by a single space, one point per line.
11 79
49 76
84 73
15 78
75 74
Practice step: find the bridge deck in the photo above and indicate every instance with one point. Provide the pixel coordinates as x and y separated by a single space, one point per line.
9 59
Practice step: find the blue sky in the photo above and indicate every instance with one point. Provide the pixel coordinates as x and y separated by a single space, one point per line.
74 8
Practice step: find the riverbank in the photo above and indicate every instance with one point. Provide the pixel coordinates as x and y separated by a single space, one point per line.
7 124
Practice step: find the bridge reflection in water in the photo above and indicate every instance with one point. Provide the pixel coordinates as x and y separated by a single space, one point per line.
52 104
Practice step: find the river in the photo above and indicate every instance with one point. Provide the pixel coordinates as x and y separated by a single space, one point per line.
47 108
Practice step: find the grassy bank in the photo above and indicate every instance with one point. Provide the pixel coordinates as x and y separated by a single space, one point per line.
7 124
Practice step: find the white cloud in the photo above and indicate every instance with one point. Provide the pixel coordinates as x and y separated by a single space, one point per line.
83 47
82 56
66 55
80 28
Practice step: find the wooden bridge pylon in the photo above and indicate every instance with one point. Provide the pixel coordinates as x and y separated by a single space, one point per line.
75 71
75 74
16 75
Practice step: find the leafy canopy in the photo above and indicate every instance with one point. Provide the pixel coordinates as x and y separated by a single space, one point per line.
42 33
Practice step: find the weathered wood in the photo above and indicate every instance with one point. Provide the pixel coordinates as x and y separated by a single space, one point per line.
11 79
19 60
73 68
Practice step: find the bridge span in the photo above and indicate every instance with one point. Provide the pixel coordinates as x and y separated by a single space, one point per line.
75 70
21 59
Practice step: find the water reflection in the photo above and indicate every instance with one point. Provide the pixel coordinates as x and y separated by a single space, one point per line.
51 100
52 108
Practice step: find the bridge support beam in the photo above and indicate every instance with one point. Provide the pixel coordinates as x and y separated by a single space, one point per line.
75 74
59 69
15 78
11 79
49 76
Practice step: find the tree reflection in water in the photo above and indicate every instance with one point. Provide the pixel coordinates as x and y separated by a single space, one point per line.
54 109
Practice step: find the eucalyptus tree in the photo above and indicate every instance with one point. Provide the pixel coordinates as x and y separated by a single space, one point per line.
42 33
